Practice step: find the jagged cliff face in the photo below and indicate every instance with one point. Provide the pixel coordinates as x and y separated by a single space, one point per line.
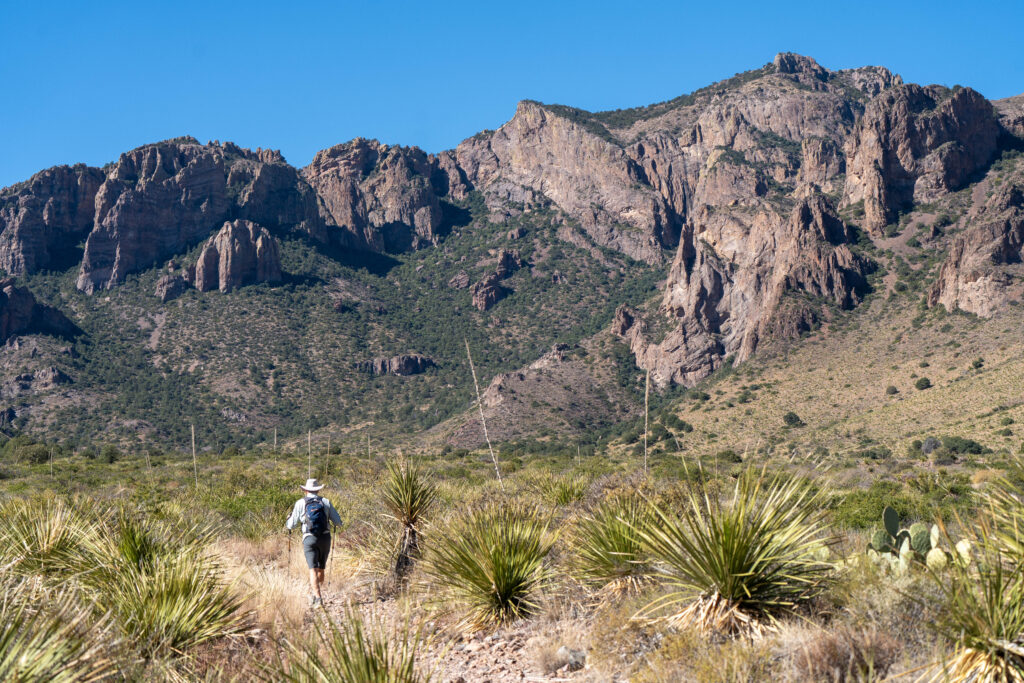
381 196
749 192
985 267
161 199
914 144
49 213
593 180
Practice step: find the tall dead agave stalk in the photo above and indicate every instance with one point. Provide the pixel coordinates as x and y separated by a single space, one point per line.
483 421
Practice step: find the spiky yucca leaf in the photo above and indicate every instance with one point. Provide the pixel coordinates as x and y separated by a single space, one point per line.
609 547
407 493
43 535
49 637
351 652
490 561
734 567
1004 504
983 616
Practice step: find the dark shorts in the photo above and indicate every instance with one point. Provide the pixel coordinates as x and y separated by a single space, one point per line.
316 549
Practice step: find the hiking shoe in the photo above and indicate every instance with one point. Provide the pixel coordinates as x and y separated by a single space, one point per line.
317 602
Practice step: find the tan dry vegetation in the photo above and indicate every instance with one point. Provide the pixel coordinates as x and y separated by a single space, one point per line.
836 383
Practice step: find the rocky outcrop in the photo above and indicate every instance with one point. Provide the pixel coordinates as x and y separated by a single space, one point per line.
171 286
571 163
1011 116
43 379
402 365
914 143
241 253
161 199
488 291
43 218
460 280
20 313
985 266
381 196
733 284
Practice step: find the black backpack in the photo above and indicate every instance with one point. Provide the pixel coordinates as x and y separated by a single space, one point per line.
316 516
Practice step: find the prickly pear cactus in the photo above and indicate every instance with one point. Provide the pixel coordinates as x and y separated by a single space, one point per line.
898 548
891 520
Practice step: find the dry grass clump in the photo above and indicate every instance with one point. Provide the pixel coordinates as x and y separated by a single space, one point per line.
837 653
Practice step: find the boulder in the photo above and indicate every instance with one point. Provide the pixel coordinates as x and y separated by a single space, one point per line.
459 281
488 291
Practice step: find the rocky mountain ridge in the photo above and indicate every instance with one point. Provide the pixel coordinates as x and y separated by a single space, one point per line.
763 199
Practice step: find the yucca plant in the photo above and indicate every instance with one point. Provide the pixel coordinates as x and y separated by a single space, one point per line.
609 547
1004 508
170 608
734 567
43 535
564 489
983 615
49 637
351 652
491 561
158 581
408 496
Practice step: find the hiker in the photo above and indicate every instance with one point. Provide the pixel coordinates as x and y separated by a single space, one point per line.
314 513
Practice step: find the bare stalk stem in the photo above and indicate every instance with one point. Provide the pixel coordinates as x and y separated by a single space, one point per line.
195 467
647 393
483 422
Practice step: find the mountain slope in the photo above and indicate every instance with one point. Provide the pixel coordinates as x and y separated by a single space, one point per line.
679 238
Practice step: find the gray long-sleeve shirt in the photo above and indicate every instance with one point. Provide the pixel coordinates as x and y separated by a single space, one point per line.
298 515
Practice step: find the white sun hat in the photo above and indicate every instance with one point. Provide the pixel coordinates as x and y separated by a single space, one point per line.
312 485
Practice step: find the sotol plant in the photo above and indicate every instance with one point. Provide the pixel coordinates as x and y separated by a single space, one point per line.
610 550
351 652
734 567
408 496
491 562
49 637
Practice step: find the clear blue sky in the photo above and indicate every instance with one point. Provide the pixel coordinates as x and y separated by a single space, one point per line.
83 81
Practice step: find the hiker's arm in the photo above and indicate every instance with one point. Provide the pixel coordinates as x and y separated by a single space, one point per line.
333 514
293 518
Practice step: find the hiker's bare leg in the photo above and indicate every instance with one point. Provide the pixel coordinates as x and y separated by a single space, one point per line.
319 580
314 581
